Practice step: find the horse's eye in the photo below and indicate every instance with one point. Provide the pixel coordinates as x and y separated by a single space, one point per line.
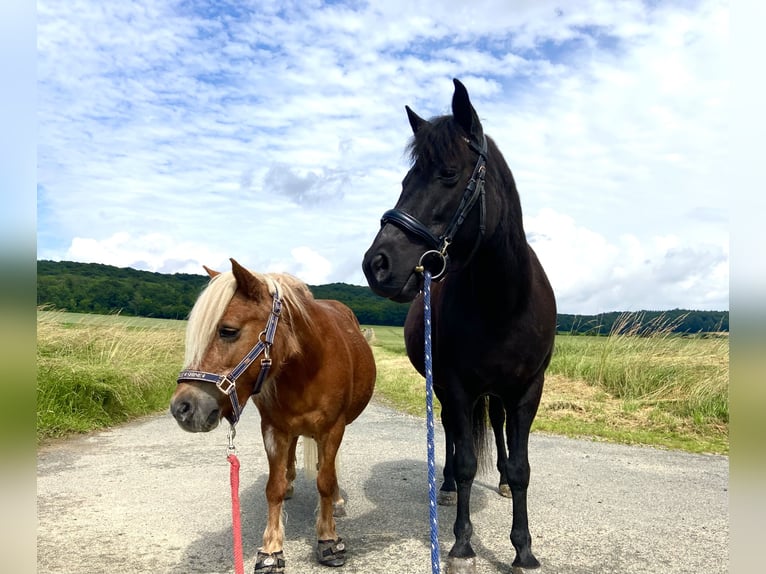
448 175
228 332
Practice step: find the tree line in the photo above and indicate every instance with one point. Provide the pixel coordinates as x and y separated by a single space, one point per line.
106 289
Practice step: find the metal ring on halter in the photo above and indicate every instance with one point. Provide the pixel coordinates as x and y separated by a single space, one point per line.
420 267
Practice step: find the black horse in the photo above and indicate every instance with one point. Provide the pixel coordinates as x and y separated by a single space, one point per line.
494 312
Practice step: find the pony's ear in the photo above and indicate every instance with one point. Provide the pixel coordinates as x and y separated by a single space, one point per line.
212 273
247 283
464 113
415 120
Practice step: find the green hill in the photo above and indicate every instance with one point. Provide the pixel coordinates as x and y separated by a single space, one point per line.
98 288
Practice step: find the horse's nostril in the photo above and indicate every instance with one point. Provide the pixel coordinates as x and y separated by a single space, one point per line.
380 265
182 410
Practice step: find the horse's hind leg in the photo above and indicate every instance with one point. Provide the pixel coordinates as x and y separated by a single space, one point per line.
330 548
520 416
448 492
497 419
291 472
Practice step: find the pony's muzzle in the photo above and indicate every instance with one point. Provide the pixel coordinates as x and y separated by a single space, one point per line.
195 410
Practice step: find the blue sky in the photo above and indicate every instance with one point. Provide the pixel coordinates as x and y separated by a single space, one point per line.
176 134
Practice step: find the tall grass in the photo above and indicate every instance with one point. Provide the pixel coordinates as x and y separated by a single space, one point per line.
95 373
640 385
647 364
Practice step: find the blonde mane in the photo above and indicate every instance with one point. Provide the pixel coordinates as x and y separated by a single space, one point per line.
215 298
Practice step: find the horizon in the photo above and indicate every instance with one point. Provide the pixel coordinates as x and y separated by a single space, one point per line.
203 275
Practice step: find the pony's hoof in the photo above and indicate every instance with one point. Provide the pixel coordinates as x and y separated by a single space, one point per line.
289 493
504 490
446 498
461 565
331 552
273 563
339 509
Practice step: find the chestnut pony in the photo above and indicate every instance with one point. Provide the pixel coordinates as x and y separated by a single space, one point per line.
315 375
493 309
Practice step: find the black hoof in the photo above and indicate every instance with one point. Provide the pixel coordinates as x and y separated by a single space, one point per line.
461 565
446 498
331 552
528 562
273 563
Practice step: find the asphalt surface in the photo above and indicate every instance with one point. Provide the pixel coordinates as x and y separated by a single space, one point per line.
150 498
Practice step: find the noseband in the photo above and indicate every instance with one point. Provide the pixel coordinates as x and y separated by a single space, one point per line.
474 191
227 384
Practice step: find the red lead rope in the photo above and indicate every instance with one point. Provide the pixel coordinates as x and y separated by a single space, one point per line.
239 565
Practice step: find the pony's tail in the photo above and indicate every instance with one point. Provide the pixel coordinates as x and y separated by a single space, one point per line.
480 435
311 458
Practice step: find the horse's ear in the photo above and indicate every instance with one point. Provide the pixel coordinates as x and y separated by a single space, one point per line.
464 113
212 273
248 283
415 120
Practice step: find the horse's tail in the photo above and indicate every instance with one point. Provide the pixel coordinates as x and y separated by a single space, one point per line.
311 458
480 435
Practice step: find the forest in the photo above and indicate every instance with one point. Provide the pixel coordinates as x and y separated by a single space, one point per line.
106 289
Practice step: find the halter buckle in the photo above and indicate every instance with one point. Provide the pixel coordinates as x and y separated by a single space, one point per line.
226 385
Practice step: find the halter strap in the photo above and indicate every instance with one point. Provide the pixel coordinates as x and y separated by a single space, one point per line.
227 384
474 191
407 223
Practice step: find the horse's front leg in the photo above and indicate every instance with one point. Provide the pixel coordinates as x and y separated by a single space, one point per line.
497 419
270 558
462 557
331 551
520 416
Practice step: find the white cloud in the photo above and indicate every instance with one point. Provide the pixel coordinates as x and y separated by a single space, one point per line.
590 274
172 135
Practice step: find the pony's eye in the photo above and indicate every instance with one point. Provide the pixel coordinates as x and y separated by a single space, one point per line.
228 333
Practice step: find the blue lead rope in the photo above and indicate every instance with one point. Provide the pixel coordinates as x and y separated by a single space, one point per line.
435 561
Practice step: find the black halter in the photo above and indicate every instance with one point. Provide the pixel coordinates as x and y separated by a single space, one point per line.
474 192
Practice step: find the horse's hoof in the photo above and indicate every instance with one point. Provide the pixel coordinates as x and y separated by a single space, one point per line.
461 565
290 492
446 498
504 490
273 563
526 560
331 552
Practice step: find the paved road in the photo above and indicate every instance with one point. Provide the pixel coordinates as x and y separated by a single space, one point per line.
150 498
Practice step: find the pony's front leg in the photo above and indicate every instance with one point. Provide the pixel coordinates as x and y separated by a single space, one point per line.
270 558
331 551
462 557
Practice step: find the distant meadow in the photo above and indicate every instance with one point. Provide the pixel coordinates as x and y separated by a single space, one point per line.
642 384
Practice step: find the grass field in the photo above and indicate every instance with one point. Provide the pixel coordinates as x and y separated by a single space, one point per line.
95 371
